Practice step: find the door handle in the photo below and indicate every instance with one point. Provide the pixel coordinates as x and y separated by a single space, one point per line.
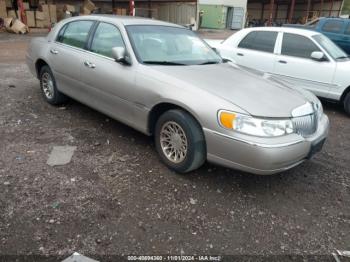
282 62
240 54
89 64
54 51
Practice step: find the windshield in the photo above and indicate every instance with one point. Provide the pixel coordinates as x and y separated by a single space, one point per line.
330 47
154 44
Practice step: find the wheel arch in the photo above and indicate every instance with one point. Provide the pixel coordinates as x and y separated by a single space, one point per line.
346 91
158 109
39 64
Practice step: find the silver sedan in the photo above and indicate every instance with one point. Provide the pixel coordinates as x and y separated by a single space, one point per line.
163 80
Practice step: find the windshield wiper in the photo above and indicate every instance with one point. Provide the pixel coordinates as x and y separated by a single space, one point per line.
162 63
342 57
209 63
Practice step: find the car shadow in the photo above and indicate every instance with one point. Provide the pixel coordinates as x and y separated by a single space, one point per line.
332 107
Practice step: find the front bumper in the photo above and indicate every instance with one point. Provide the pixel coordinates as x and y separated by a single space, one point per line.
263 156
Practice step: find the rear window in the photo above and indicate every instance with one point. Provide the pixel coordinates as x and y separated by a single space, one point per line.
75 33
333 26
260 41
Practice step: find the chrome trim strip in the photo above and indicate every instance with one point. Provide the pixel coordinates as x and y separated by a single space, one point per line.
291 78
254 143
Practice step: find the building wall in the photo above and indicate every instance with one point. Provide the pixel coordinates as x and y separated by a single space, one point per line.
327 6
233 3
179 13
346 8
255 11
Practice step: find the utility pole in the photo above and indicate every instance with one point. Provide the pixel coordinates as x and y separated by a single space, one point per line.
291 12
132 7
272 5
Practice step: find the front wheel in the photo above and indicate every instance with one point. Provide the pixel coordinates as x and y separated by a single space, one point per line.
347 104
180 141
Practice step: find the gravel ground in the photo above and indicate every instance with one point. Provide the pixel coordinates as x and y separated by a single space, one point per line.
115 196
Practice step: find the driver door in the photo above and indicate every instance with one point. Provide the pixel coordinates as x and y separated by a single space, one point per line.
109 85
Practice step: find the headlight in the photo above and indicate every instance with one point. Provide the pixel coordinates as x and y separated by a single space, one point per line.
255 126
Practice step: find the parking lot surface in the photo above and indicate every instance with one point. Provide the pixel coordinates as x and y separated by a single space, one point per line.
116 197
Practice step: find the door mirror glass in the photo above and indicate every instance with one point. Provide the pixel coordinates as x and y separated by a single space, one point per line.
318 56
120 56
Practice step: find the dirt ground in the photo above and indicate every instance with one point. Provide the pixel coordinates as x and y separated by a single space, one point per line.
116 197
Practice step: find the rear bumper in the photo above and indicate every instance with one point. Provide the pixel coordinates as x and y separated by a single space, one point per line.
274 156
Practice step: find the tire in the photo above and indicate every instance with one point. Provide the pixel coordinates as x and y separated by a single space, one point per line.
187 132
347 104
49 88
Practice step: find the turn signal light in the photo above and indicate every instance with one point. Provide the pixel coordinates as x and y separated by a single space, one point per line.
226 119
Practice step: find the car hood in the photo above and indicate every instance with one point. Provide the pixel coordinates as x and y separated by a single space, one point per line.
252 92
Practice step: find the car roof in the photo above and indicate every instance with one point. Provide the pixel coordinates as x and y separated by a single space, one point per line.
300 31
335 18
125 20
114 19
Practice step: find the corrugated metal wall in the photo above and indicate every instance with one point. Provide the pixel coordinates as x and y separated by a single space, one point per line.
179 13
255 9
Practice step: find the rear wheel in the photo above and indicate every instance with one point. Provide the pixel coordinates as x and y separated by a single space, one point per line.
347 104
49 88
180 141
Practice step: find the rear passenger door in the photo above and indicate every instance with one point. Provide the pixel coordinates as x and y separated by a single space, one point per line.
295 65
256 50
66 56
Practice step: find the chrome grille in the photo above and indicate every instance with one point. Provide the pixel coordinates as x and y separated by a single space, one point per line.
305 125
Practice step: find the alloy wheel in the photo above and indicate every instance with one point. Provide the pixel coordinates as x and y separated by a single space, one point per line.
173 142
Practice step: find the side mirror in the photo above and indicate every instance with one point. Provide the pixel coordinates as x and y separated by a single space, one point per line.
120 55
318 56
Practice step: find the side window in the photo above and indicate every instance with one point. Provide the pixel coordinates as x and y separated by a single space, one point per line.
76 33
248 41
333 26
298 46
60 34
260 41
347 30
106 37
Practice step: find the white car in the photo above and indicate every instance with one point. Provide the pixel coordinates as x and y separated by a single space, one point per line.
301 57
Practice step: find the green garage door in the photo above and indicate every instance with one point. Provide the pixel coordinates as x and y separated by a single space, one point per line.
214 16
